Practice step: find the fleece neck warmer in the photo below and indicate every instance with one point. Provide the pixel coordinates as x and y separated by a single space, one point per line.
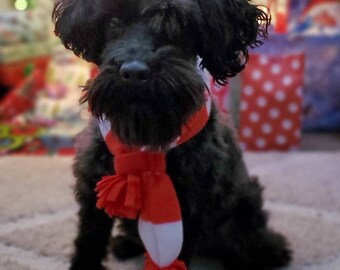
141 189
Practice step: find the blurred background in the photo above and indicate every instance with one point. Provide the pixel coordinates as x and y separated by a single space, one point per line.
39 82
288 94
285 106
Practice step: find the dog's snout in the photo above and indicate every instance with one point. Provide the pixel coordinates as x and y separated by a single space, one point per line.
134 72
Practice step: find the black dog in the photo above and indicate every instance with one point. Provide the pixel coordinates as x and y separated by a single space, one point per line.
148 87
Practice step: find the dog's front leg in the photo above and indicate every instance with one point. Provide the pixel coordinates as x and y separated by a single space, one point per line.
94 231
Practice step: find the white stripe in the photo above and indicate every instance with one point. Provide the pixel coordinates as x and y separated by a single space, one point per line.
174 144
162 241
208 104
203 72
104 126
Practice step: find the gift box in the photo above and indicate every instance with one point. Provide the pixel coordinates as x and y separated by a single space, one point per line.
271 102
21 139
317 24
32 139
322 90
19 52
315 18
278 11
13 73
22 97
18 27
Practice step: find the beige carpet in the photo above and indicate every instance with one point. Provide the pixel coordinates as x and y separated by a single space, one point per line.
38 222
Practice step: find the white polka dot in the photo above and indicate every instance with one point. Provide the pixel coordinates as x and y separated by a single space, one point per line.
281 139
280 96
266 128
274 113
293 107
268 86
261 143
256 75
287 124
247 132
244 106
254 117
296 64
276 69
262 102
248 90
287 80
264 60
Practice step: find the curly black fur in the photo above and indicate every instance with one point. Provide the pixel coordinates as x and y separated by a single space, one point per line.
221 31
151 113
228 30
222 206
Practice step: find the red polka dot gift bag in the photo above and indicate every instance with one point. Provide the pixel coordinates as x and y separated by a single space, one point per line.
271 102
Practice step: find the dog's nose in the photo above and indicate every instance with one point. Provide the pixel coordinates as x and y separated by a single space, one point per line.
134 71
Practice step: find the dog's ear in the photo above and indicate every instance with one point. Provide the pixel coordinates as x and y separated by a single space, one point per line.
228 29
81 26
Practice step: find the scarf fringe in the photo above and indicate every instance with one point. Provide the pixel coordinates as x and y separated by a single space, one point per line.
120 195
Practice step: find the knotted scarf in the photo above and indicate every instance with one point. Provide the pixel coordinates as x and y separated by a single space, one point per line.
142 189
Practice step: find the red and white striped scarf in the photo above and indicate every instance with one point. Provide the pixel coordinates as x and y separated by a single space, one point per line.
142 189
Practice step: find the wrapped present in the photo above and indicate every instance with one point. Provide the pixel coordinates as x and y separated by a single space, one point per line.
61 135
22 97
315 18
21 139
23 51
13 73
279 12
322 91
271 106
18 27
31 139
317 24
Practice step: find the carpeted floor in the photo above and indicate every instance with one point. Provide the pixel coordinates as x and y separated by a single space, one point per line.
38 221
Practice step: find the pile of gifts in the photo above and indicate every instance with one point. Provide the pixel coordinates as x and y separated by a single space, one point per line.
41 115
24 39
39 111
291 83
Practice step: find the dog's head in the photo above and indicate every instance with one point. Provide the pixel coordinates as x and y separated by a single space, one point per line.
149 85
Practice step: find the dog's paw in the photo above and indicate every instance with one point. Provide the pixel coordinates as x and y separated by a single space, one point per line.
126 247
78 264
